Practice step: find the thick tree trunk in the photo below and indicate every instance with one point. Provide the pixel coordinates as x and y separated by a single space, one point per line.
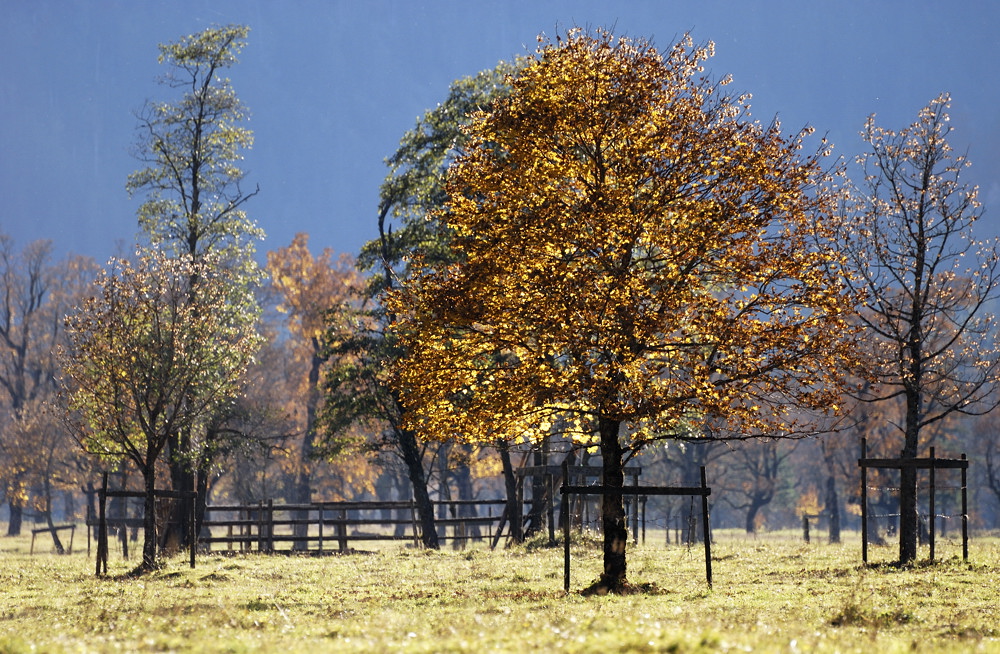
175 532
908 522
510 486
16 517
613 579
833 509
410 452
750 524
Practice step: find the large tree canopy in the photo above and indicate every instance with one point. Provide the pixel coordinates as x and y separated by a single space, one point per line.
636 258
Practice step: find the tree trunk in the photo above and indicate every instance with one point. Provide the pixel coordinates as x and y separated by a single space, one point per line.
16 517
510 485
908 523
751 518
149 540
833 509
175 532
410 452
47 486
613 579
303 486
463 484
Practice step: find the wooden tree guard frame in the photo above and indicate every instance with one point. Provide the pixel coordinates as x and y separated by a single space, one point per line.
704 491
931 463
102 524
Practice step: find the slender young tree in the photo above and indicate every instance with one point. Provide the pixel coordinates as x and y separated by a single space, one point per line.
150 358
633 256
927 285
194 202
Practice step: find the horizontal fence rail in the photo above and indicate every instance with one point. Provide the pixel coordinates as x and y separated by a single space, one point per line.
325 527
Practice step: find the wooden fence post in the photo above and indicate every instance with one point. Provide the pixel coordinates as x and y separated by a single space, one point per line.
965 513
342 529
322 517
706 530
931 508
864 502
102 527
564 514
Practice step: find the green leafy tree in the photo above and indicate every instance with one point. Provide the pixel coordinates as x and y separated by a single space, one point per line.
194 205
633 256
150 357
362 346
927 286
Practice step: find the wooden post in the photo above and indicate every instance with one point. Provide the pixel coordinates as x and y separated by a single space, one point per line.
342 529
193 504
706 531
102 526
933 513
416 525
643 499
635 512
564 514
965 513
322 517
805 527
270 526
864 502
551 484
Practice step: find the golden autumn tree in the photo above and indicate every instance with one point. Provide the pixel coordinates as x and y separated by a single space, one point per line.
308 287
636 258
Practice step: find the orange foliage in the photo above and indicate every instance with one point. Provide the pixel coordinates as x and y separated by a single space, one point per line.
630 246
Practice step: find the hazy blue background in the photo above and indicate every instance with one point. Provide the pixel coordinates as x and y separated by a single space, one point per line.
333 85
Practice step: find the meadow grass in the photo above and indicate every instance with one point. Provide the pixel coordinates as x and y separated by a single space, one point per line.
773 593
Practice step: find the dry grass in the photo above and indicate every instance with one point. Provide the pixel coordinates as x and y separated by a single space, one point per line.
770 594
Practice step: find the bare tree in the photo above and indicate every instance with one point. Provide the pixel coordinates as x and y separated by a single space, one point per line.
34 295
926 283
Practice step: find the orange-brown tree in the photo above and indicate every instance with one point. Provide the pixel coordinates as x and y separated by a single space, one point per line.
635 258
308 287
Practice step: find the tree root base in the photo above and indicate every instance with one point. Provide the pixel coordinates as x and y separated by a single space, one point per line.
606 586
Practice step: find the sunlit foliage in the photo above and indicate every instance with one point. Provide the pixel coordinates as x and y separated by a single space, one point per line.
634 257
632 246
150 356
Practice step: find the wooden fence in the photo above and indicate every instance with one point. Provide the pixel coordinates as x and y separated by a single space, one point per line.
323 527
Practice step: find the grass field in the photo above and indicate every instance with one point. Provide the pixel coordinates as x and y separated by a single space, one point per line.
773 593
